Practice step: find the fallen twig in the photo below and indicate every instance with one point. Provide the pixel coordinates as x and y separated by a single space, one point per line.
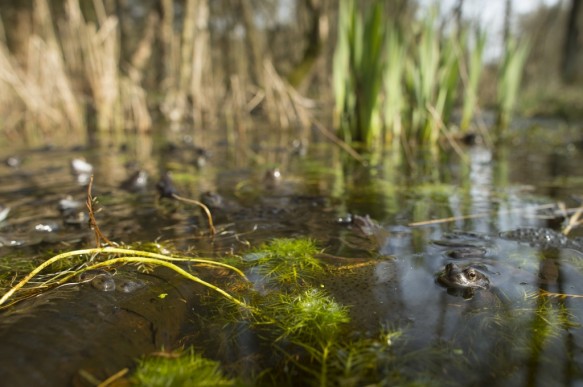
546 293
573 221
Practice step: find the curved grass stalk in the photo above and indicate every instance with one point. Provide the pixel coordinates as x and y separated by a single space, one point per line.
157 262
204 208
158 259
147 254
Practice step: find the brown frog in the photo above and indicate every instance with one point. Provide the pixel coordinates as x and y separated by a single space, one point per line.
462 281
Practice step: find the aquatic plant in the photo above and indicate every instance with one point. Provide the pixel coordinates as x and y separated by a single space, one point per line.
287 261
432 83
357 72
311 317
470 77
315 323
509 79
188 368
404 83
395 100
311 320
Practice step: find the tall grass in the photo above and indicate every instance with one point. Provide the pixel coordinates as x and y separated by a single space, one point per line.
431 84
385 80
395 100
75 77
358 68
405 83
470 75
509 79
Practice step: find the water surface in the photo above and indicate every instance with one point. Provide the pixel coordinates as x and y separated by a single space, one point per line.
524 330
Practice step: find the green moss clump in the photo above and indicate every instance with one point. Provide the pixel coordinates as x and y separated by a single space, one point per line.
189 369
288 261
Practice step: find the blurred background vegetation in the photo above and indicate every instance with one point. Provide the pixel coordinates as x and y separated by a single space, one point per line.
364 72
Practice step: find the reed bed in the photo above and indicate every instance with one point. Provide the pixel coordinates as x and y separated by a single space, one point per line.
69 73
39 95
392 84
470 70
74 77
400 86
509 79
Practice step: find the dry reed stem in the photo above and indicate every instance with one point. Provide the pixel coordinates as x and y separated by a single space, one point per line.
473 216
60 67
289 106
443 128
44 87
573 220
98 234
545 293
187 67
113 378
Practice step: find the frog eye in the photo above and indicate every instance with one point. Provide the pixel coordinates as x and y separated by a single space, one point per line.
471 274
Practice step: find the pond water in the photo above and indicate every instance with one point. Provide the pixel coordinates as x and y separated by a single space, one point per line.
524 328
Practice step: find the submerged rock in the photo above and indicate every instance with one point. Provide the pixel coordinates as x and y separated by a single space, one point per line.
13 161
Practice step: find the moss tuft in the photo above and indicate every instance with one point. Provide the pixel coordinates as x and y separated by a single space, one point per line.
188 369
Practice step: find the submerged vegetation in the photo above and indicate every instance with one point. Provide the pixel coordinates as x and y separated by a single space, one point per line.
306 330
307 324
287 261
182 369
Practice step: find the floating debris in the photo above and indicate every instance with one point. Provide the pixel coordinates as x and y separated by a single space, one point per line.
13 161
80 166
82 170
4 213
68 205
